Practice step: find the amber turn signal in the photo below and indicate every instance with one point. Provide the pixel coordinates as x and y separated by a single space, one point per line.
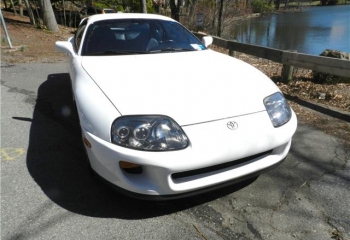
129 167
86 142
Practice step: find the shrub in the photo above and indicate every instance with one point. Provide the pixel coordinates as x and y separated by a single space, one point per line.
332 2
261 6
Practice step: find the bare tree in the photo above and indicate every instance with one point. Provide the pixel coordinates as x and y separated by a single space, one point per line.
277 4
14 9
221 7
175 6
286 3
30 12
48 15
20 8
157 4
5 4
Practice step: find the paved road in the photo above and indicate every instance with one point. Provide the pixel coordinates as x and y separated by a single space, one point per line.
46 191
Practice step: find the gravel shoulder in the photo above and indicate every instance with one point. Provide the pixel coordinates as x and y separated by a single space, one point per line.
326 107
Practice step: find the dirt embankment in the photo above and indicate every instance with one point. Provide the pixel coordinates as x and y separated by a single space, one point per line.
323 106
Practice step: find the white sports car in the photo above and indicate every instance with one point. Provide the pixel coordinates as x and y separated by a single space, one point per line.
162 116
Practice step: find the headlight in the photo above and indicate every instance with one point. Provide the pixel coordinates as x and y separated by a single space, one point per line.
278 109
154 133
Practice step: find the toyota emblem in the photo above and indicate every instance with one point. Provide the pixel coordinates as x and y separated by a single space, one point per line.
232 125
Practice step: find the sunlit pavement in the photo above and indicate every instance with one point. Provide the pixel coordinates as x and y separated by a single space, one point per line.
47 192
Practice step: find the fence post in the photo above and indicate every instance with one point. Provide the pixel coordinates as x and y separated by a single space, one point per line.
287 71
230 48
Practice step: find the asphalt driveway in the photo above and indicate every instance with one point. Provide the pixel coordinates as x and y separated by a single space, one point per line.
47 192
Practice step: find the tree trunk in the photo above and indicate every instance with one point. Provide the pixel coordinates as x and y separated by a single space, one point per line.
20 5
286 4
14 9
30 12
156 5
220 18
175 9
64 14
48 15
277 4
143 6
88 3
214 16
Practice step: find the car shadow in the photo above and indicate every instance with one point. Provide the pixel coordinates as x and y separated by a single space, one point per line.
57 163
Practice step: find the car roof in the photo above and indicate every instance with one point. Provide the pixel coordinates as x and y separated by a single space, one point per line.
119 15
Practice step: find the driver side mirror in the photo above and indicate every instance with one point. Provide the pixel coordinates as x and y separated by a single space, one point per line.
64 47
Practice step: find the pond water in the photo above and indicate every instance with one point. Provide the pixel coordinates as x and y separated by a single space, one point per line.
310 31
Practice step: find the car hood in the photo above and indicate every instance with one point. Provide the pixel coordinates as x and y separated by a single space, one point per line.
190 87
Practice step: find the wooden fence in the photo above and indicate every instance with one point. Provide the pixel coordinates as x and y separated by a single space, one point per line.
289 59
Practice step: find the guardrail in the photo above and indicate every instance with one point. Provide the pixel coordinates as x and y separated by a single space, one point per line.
289 59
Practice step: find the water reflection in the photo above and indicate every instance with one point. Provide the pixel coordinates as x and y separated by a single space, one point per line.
310 31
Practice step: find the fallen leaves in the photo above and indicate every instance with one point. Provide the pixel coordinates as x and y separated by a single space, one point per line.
336 95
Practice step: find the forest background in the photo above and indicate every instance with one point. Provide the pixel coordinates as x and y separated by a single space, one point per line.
216 14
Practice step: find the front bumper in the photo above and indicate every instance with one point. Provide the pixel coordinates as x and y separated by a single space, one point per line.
212 159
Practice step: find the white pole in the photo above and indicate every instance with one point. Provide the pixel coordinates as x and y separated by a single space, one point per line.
6 33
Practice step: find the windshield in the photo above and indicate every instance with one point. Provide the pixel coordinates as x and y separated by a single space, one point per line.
138 36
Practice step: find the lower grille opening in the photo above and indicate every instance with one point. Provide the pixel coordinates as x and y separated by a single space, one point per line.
218 167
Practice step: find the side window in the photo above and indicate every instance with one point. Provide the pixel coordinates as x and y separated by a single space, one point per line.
158 32
79 35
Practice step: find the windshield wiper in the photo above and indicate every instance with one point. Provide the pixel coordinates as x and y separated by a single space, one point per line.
172 50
